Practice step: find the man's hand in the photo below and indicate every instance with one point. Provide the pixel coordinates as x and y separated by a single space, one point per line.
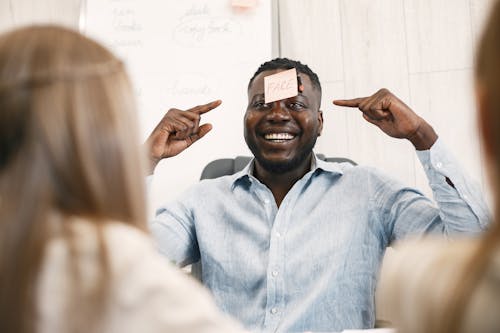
393 117
176 131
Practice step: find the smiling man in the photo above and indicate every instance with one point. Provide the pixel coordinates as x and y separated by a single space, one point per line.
282 134
292 243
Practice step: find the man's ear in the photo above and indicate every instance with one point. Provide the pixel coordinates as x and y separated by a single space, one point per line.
320 121
484 119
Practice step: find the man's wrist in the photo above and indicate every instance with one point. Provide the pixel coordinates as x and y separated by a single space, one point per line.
424 137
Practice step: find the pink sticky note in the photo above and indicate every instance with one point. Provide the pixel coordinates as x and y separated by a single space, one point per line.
280 85
244 3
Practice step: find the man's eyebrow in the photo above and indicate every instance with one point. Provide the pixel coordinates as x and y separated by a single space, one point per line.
257 96
302 96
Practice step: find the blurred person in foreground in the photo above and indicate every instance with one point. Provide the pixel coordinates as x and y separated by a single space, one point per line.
75 255
434 286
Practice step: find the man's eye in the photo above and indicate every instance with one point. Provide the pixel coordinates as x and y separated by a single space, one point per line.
296 106
260 105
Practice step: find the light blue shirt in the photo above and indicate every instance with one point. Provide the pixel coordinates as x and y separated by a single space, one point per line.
312 264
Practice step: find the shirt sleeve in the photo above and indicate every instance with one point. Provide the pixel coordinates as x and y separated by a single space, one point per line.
460 209
460 200
174 232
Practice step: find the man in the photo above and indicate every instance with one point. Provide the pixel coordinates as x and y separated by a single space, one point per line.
292 243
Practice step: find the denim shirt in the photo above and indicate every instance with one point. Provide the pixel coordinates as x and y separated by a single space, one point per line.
312 264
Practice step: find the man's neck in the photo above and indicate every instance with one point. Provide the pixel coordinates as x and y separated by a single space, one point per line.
281 183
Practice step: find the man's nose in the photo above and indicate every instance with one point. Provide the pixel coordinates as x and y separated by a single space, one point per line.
278 112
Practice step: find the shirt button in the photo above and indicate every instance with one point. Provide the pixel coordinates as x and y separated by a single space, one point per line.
266 201
274 310
278 235
274 273
439 165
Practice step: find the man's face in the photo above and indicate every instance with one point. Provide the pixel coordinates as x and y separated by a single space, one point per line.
282 134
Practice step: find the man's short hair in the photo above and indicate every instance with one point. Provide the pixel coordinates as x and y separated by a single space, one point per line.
285 63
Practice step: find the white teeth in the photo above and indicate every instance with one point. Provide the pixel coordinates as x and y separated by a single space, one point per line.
278 136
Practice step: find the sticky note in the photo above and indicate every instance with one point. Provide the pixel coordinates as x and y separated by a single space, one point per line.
244 3
280 85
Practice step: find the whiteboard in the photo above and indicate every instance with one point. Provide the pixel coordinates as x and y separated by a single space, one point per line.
181 54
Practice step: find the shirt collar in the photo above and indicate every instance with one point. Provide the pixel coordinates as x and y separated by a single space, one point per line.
331 167
246 174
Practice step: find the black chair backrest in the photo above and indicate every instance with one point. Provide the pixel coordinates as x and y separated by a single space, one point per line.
228 166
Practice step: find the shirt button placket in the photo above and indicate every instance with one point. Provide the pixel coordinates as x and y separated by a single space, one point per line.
274 282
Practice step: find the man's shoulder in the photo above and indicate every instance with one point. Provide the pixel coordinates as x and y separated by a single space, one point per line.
359 176
210 188
220 183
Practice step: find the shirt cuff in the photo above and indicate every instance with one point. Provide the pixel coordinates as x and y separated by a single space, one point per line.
439 163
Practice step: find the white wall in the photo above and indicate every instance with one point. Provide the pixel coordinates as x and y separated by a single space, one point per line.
18 12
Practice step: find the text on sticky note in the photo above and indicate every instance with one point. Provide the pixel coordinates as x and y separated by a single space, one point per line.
280 85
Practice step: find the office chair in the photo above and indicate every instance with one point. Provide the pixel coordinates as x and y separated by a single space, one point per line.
228 166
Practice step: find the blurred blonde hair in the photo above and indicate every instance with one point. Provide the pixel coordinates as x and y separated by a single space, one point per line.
450 317
68 148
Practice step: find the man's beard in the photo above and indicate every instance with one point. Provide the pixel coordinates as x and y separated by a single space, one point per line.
283 166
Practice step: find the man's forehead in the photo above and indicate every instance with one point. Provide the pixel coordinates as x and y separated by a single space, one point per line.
257 87
258 81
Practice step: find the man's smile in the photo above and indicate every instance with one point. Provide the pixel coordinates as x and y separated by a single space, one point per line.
279 137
